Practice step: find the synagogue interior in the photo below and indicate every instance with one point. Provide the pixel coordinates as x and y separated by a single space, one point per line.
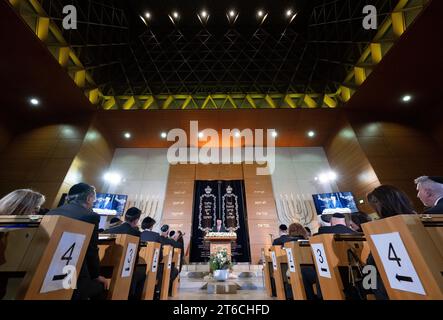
221 150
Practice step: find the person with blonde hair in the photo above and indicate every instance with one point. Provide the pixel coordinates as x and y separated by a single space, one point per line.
21 202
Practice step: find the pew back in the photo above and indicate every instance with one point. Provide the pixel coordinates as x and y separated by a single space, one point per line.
167 262
120 253
176 260
267 271
149 255
299 254
331 252
51 256
279 258
407 252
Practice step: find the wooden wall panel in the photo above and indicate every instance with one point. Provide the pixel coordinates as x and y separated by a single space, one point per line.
207 172
348 159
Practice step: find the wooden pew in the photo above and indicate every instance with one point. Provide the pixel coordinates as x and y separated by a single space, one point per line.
267 272
407 250
39 250
149 255
119 252
330 253
299 254
167 262
279 258
176 262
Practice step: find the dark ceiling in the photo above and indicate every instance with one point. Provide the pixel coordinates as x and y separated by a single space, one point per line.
126 56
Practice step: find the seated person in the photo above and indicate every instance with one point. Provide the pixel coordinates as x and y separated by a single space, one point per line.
219 227
21 202
114 222
430 192
132 216
283 232
147 234
80 200
357 219
338 225
387 201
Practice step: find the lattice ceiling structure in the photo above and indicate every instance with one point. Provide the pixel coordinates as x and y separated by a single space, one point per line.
315 56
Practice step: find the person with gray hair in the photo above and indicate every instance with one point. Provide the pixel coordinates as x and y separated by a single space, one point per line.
21 202
430 192
80 201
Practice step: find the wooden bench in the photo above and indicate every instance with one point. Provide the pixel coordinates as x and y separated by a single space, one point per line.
167 263
149 255
176 260
118 252
407 250
39 250
279 266
330 253
267 273
299 255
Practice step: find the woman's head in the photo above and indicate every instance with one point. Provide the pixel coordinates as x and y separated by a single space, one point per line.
21 202
297 230
389 201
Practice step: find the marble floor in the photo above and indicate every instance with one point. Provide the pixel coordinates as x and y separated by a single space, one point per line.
198 294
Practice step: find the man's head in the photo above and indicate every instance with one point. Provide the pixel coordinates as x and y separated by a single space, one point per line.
171 234
114 222
338 219
83 194
148 223
430 189
132 216
283 229
164 230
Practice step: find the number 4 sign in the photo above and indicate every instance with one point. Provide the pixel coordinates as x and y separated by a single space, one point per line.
66 254
397 263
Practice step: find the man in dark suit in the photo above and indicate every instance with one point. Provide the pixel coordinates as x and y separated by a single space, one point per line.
338 225
148 235
80 200
219 227
284 237
166 241
132 217
430 192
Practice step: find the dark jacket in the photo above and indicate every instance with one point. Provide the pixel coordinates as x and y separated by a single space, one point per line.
283 239
438 209
222 229
124 228
169 242
150 236
338 229
91 264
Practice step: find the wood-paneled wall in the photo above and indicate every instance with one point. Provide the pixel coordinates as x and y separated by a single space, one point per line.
5 137
349 160
90 163
44 159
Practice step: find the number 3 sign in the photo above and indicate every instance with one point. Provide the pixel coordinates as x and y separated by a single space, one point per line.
397 263
66 254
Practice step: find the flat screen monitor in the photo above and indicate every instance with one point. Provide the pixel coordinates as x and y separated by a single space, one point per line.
110 204
330 203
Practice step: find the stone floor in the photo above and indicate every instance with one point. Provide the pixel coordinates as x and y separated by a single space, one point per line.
197 294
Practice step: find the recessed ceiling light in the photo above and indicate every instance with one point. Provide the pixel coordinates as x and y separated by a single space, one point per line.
260 13
289 13
200 135
407 98
204 14
274 133
311 134
34 101
232 13
127 135
175 14
163 135
148 15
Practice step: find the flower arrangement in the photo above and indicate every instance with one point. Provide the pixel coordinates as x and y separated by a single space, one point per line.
220 261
